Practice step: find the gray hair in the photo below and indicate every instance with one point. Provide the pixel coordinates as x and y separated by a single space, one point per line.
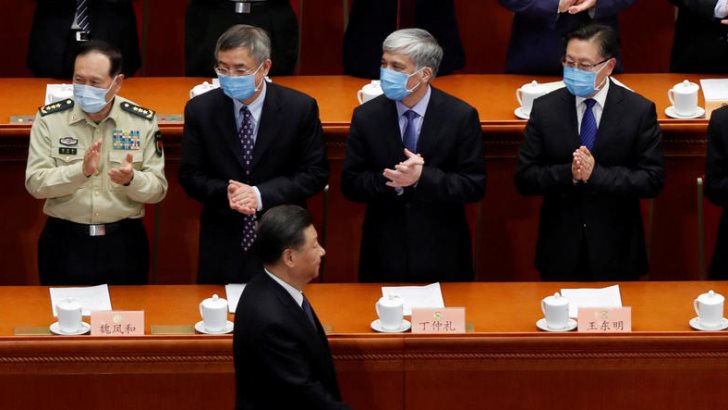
253 38
417 44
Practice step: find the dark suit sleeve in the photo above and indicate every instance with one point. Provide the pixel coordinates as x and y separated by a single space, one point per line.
610 8
541 9
535 173
705 8
358 181
285 362
311 171
467 182
193 169
646 177
716 164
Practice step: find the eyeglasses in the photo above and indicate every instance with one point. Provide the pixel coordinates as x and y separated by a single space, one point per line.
234 72
582 66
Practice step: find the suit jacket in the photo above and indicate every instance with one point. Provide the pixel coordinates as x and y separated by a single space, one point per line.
281 360
421 235
206 20
536 45
289 165
52 47
603 214
371 21
701 41
716 187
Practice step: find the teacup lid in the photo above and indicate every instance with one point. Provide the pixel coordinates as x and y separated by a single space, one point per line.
69 304
214 302
533 87
391 301
710 298
685 87
557 300
373 87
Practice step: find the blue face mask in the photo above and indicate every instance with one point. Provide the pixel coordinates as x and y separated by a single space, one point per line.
394 84
581 83
239 87
91 99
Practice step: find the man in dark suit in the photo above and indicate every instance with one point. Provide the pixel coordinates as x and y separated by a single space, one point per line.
206 20
701 37
247 147
539 25
716 187
414 156
281 354
61 26
370 21
592 150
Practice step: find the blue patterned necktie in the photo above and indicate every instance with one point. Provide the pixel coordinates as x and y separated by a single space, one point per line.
246 142
308 311
588 130
82 18
410 131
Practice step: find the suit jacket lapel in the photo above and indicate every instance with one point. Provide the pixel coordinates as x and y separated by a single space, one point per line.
391 135
226 117
432 124
572 137
611 116
270 121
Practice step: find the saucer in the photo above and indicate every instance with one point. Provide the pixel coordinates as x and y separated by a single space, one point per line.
406 325
200 327
670 112
570 325
695 324
83 329
520 114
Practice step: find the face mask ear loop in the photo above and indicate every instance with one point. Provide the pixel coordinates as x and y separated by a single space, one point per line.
418 84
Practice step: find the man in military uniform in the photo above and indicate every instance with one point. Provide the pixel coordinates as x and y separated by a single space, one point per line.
97 160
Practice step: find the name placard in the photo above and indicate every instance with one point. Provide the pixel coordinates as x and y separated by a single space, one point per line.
605 320
117 323
438 320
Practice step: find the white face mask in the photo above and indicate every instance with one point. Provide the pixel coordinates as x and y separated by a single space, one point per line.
91 99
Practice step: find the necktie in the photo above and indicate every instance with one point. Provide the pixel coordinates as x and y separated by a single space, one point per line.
410 131
588 130
246 142
308 311
82 18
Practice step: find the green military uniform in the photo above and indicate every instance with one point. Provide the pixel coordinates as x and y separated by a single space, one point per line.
90 208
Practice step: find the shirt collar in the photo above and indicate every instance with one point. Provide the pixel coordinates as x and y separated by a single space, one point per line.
419 108
295 293
600 97
256 107
78 115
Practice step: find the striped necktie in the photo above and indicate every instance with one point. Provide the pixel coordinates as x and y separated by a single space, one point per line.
82 17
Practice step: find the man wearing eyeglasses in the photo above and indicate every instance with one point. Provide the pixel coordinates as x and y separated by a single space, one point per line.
247 147
592 150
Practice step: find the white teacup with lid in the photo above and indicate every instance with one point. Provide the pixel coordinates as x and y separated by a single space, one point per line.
69 312
684 98
527 93
556 311
390 310
709 307
369 91
214 313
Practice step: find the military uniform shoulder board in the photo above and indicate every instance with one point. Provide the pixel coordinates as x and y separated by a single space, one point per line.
145 113
56 107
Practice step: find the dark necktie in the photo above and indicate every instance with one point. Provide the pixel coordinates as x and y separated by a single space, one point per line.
82 18
410 131
588 130
246 142
308 311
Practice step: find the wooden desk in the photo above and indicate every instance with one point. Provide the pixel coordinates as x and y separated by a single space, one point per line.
503 225
505 364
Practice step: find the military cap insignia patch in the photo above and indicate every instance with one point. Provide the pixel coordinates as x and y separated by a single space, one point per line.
134 109
56 107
